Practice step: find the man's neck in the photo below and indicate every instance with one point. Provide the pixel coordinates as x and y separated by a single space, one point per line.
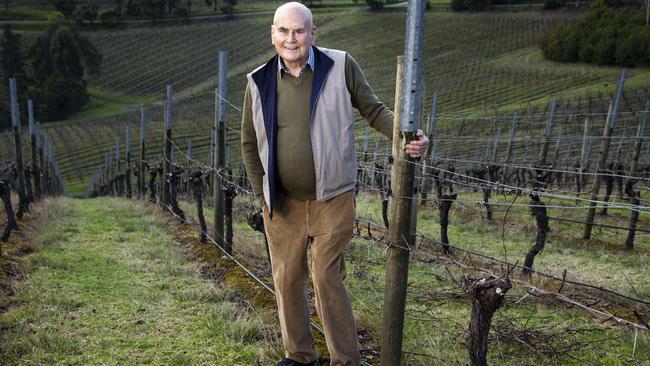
294 68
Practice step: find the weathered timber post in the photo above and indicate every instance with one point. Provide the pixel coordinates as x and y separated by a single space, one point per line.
635 196
23 203
586 143
487 295
556 157
111 173
513 130
142 177
41 157
604 150
33 133
556 153
428 157
127 150
119 187
547 134
495 148
167 161
197 190
220 151
403 215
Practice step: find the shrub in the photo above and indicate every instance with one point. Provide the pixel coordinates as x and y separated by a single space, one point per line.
552 4
458 5
604 37
56 17
375 4
181 12
109 17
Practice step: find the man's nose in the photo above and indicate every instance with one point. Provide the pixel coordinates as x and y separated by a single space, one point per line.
292 37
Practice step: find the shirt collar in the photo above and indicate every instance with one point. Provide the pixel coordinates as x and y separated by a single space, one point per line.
310 62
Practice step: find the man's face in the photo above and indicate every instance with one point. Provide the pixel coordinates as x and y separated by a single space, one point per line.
292 35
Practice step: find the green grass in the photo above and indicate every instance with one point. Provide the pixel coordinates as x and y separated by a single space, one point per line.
526 331
107 285
601 260
24 13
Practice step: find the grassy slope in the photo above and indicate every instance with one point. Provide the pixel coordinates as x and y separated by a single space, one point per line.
437 313
107 285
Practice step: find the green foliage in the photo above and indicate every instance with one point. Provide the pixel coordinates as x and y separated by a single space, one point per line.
109 17
13 66
86 12
228 6
181 12
375 4
56 17
62 59
59 97
473 5
64 6
552 4
458 5
604 37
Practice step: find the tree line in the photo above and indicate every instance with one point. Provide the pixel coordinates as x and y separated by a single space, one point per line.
607 36
53 72
122 9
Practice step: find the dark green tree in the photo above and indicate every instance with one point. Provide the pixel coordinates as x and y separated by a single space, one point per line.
13 66
64 6
62 60
228 7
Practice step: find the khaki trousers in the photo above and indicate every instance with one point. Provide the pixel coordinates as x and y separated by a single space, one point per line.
328 226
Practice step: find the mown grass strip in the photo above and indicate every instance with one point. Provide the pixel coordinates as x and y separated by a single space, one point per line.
107 285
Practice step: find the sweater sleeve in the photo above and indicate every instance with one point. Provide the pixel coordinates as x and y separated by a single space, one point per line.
364 99
254 168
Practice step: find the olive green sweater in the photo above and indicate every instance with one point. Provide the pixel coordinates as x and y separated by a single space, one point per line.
295 158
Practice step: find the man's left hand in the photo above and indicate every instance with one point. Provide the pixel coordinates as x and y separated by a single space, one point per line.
416 148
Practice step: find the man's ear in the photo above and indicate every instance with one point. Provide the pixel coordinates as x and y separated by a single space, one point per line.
313 35
272 31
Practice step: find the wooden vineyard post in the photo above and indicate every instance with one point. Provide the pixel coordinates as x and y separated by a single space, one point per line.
142 178
23 204
220 153
166 163
547 134
41 158
556 154
404 207
33 133
604 150
127 156
635 198
118 170
586 143
513 130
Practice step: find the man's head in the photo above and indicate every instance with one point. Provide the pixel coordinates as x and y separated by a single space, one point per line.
293 33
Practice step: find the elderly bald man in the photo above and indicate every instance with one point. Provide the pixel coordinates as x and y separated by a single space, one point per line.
297 140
